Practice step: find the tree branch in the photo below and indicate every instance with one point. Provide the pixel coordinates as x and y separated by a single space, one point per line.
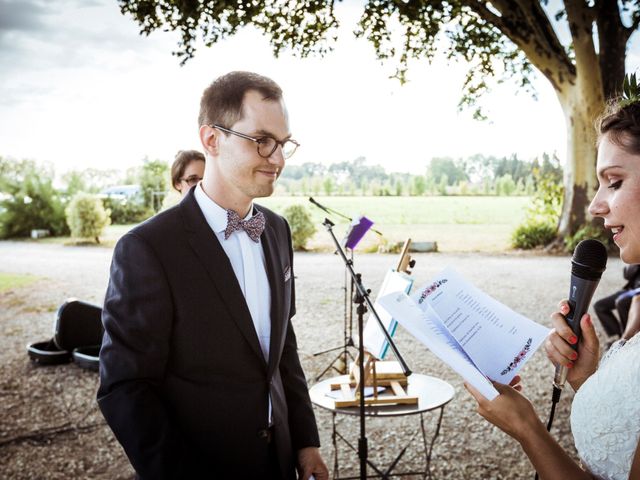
526 24
634 26
480 7
581 28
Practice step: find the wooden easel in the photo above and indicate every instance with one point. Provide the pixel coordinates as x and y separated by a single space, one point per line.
378 373
405 264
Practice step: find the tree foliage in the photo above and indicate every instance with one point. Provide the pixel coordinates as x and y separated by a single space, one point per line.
154 182
499 39
447 167
91 180
28 199
474 175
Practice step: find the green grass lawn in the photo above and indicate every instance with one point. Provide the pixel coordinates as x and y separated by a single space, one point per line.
414 210
9 281
456 223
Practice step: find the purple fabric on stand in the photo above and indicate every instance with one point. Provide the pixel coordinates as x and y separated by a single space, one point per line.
357 231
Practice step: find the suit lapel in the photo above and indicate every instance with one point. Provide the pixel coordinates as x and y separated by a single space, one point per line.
214 259
276 284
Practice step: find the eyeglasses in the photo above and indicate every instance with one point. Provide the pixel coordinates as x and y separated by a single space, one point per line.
266 145
191 180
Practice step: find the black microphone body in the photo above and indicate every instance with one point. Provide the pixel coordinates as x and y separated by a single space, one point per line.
588 262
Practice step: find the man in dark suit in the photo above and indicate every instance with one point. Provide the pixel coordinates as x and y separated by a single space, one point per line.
199 371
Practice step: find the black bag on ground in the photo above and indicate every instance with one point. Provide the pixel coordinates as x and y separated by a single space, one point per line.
48 353
78 324
87 357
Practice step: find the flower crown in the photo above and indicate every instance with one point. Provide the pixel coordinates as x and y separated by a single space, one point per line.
630 90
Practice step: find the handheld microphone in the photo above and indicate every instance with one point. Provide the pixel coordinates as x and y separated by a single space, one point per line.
588 262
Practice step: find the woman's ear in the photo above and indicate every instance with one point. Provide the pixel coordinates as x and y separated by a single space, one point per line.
209 138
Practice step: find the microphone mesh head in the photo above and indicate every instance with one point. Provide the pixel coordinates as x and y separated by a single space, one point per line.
589 260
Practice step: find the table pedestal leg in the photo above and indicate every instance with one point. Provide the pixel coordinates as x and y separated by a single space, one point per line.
428 447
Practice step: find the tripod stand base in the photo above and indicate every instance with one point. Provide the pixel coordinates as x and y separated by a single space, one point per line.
338 364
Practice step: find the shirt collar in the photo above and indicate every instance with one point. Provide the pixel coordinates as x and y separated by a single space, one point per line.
214 214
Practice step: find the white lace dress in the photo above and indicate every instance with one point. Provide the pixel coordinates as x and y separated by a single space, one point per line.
605 415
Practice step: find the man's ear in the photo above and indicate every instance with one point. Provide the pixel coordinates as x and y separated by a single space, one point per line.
209 138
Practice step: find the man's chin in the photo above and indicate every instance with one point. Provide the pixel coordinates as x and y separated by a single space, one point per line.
264 191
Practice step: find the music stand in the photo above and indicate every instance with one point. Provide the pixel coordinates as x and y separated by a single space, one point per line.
344 355
361 298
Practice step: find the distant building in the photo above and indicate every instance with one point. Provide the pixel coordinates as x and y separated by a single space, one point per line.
123 193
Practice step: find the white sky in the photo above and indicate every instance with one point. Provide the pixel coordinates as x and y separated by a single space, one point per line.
79 87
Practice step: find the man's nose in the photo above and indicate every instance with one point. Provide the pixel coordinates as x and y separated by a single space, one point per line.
277 157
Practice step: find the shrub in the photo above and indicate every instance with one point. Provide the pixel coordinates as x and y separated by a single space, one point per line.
302 228
588 230
540 224
124 211
533 233
28 200
86 216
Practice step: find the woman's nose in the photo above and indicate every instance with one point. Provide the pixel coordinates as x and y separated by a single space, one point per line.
598 206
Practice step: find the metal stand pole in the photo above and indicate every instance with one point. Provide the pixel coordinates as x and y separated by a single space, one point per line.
361 298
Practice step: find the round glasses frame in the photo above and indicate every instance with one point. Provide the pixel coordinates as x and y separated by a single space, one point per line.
191 180
265 145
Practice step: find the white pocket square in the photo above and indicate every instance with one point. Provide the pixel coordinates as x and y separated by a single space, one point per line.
287 273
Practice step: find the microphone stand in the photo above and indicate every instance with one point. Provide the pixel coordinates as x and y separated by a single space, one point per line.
344 354
335 212
361 298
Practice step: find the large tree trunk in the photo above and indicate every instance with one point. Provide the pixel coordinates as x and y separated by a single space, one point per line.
579 171
582 101
581 104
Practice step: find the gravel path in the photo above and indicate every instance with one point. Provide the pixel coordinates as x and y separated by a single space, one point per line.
51 427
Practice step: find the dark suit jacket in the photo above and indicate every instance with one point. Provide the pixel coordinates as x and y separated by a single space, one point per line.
183 382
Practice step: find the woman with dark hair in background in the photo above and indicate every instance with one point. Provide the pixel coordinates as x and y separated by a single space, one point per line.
187 170
605 414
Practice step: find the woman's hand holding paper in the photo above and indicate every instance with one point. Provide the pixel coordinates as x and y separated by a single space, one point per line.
511 411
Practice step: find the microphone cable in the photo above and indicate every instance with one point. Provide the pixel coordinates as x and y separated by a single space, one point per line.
555 398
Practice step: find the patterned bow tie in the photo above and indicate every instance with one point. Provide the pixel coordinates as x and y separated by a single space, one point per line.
254 226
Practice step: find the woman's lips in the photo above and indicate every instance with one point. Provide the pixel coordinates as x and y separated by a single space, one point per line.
617 231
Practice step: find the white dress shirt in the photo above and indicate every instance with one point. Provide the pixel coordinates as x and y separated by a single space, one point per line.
248 263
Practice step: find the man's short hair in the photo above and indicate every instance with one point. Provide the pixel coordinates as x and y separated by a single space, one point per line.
183 159
221 102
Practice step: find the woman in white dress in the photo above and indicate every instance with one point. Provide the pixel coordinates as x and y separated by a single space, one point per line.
605 415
